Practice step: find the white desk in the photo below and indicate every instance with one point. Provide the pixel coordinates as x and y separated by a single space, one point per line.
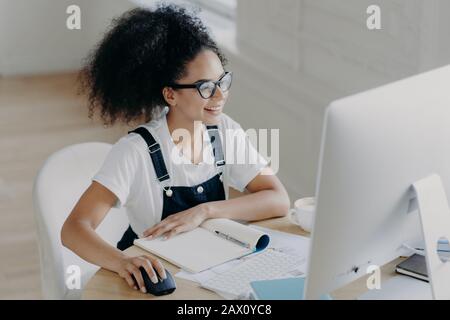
108 285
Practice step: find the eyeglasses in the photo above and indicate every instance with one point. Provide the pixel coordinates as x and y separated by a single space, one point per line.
207 89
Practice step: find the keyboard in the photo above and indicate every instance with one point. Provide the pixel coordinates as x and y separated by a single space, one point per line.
269 264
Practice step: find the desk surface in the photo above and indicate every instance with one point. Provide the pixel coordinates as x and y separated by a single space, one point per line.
108 285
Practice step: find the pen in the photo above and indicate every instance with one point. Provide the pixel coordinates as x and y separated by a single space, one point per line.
227 237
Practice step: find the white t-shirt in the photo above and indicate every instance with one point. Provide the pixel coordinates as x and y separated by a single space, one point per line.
128 169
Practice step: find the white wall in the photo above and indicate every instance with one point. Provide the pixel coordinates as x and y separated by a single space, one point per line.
34 37
296 56
2 40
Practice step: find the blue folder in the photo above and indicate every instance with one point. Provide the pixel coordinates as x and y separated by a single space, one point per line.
280 289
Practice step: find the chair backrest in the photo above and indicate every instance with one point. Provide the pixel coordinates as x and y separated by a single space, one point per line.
60 182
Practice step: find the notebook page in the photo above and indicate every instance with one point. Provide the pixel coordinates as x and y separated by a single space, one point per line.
195 250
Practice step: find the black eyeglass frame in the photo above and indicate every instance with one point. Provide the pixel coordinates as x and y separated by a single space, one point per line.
198 84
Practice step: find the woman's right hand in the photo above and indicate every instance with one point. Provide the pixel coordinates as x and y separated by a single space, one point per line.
129 266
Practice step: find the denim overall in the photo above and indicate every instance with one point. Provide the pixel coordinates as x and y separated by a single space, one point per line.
180 198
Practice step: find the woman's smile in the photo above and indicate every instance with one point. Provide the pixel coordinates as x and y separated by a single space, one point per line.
214 110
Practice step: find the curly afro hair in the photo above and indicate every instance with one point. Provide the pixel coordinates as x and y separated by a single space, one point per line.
144 51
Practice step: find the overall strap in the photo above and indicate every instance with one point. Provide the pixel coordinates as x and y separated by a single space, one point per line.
216 143
155 152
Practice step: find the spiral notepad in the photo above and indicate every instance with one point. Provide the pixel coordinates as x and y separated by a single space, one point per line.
214 242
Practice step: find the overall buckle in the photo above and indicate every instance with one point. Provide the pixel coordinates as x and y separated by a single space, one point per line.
154 148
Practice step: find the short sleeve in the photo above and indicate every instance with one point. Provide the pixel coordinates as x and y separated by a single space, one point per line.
244 162
118 170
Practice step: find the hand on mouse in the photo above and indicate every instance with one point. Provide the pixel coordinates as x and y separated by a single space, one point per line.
129 266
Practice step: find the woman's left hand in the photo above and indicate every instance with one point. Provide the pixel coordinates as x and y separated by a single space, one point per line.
179 222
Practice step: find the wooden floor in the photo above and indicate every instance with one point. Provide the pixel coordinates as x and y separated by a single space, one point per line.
38 116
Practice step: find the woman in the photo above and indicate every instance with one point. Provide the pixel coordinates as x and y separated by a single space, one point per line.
162 68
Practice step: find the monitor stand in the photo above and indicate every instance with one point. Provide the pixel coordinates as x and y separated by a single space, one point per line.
435 219
430 199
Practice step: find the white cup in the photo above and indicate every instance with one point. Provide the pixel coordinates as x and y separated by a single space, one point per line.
303 213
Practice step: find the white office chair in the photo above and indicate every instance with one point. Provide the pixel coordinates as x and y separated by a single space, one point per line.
59 184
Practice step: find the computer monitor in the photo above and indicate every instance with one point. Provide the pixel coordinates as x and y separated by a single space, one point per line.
375 145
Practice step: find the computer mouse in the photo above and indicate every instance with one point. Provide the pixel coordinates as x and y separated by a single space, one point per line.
162 287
